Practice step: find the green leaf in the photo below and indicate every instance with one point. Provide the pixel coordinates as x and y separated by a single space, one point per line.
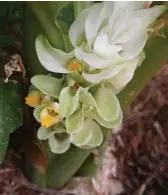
63 16
31 29
62 11
11 112
37 20
6 40
62 167
43 14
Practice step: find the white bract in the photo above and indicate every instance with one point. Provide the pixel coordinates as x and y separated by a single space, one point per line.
108 40
110 37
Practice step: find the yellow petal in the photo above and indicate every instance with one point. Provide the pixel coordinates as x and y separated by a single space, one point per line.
75 65
49 116
34 98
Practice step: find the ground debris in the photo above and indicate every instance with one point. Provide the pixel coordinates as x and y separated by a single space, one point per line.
15 64
141 152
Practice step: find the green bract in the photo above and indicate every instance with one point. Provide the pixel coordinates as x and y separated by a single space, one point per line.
75 122
68 101
58 138
80 113
89 135
89 104
48 85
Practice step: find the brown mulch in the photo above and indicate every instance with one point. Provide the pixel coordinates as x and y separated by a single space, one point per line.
140 150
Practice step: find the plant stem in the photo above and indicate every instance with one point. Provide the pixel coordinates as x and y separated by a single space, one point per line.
43 14
79 6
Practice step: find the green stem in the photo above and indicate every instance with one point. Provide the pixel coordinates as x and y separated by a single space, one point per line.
44 15
79 6
31 29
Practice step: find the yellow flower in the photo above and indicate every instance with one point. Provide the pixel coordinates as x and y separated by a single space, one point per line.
50 116
75 65
34 98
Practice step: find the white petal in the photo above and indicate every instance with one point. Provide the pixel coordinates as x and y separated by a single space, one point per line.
103 48
95 19
119 13
129 5
121 17
140 20
130 35
125 75
52 59
59 146
120 27
132 49
149 15
95 61
77 29
92 23
125 5
104 74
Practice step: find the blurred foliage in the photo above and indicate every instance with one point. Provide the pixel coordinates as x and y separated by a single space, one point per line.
11 94
11 112
10 23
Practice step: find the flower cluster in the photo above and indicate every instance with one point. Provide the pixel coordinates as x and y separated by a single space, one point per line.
108 40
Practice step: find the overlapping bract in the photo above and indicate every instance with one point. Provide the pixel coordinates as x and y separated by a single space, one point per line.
77 114
108 40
